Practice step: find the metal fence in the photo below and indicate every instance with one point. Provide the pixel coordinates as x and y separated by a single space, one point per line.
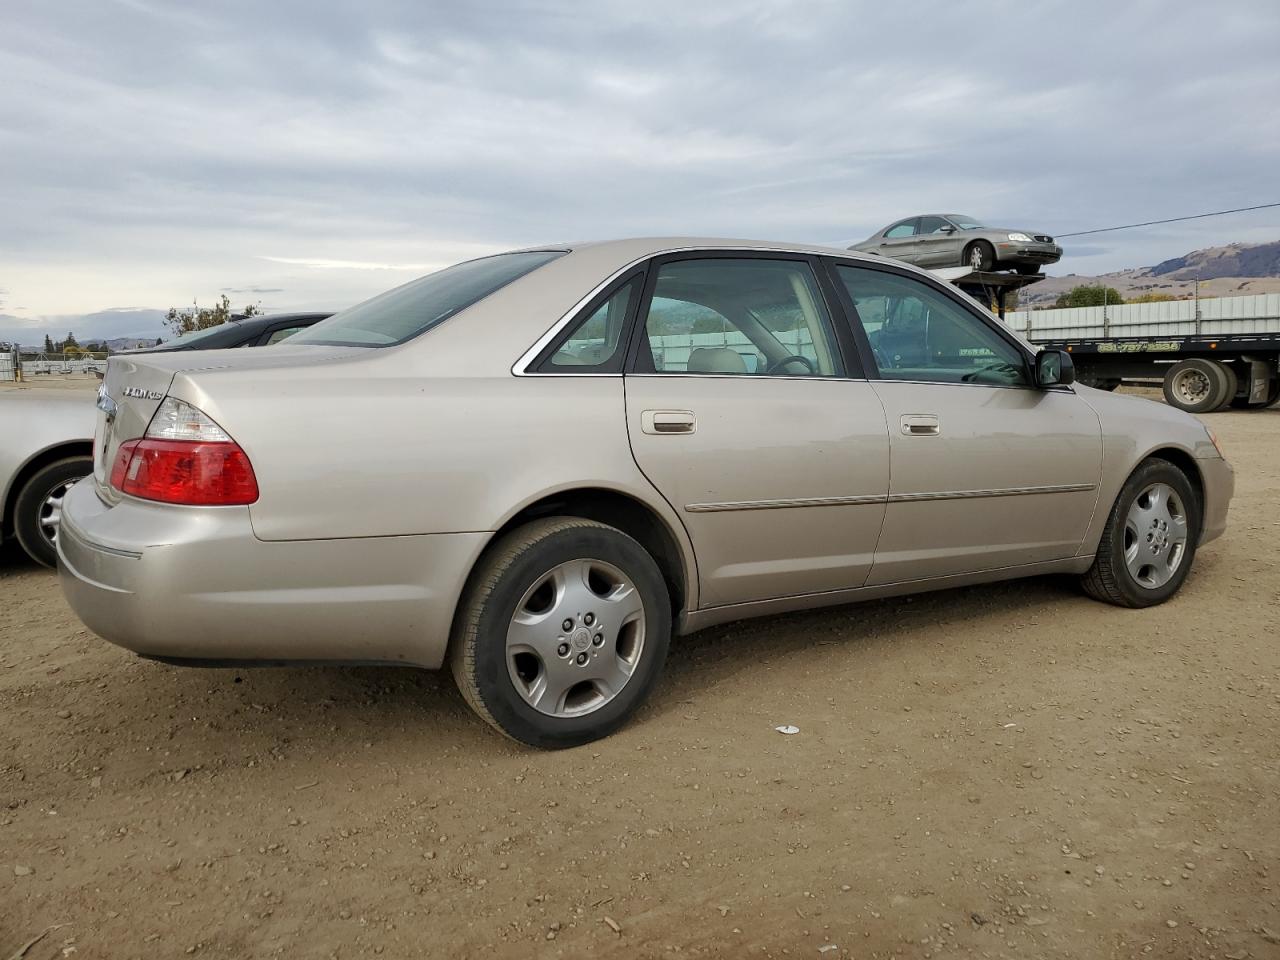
77 366
7 372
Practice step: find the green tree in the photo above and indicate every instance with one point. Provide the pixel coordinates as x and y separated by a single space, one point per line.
48 344
70 342
196 317
1089 295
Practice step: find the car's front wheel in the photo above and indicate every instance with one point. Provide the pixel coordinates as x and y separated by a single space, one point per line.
562 632
980 256
1149 541
37 511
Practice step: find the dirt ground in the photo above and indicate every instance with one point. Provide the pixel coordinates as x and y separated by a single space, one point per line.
1007 771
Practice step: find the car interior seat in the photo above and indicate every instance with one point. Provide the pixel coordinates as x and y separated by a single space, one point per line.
716 360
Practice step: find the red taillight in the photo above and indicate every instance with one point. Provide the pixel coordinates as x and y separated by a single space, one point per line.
190 472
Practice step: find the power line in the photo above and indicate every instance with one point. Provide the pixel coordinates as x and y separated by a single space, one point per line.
1151 223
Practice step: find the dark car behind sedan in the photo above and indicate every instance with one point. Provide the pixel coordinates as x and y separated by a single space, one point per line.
258 331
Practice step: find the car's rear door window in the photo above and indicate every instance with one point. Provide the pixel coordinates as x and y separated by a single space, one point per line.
405 312
738 316
900 230
918 333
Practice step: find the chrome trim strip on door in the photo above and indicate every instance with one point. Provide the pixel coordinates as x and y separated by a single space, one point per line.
892 498
782 504
998 492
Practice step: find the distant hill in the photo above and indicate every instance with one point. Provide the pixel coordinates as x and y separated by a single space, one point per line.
125 324
1234 270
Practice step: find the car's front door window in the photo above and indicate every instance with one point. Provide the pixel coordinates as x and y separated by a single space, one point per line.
739 316
918 333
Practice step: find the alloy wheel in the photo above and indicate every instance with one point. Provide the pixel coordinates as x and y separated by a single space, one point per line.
51 510
576 638
1155 536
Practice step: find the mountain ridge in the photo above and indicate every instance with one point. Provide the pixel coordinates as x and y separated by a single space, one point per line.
1236 269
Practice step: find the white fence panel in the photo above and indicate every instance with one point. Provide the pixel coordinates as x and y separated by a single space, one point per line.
1258 313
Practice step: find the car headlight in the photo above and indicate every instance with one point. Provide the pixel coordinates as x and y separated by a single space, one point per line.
1020 237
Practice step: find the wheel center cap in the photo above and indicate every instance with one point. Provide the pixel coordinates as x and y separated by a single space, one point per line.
581 639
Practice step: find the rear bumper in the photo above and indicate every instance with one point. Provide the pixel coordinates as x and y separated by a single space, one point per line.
184 583
1219 487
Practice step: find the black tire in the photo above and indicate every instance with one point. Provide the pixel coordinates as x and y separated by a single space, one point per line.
1231 383
508 570
1028 269
30 509
1209 374
979 255
1109 384
1109 579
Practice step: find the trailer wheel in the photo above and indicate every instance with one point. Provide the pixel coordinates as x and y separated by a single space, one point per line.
1273 395
1197 386
1232 384
1100 383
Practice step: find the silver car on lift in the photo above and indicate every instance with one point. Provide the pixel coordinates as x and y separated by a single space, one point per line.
539 466
954 240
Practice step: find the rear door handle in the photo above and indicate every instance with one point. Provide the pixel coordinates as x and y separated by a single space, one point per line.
668 421
920 425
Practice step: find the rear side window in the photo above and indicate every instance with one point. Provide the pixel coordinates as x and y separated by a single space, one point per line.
596 344
405 312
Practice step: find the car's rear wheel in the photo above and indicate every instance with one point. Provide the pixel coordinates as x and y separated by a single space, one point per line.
562 632
980 255
37 511
1028 269
1149 542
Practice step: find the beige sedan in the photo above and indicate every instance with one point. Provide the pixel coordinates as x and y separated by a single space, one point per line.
539 466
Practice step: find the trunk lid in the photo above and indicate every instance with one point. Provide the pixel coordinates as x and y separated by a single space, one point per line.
134 387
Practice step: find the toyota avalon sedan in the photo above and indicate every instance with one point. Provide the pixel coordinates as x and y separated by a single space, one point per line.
538 467
954 240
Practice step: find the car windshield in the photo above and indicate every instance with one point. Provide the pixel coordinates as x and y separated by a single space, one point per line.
405 312
966 223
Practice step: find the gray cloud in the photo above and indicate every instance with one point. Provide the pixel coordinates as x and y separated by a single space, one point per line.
165 151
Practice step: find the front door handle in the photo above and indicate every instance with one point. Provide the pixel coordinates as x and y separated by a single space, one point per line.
920 425
668 421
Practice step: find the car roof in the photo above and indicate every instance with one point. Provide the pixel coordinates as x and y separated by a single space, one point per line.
644 247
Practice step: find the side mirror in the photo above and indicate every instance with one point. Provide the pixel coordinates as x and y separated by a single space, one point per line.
947 228
1054 368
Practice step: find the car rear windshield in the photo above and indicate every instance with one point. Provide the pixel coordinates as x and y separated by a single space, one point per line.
403 313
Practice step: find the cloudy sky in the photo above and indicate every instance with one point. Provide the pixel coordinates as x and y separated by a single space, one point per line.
309 154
